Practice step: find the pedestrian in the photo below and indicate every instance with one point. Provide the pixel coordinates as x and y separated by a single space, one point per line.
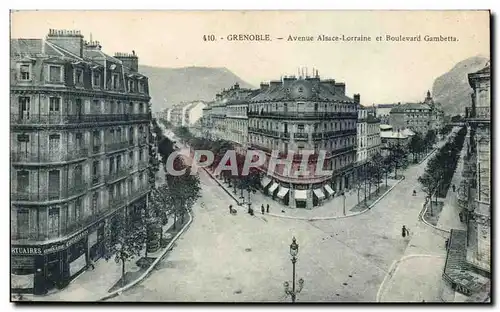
262 208
230 209
453 187
405 231
414 193
267 210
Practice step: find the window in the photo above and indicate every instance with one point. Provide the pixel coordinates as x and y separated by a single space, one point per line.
78 76
300 128
55 73
141 107
54 144
97 106
140 155
54 104
24 107
53 222
22 143
77 213
78 141
23 223
23 183
95 199
96 140
115 81
54 184
131 107
96 79
118 162
131 159
25 72
141 87
111 165
95 168
130 85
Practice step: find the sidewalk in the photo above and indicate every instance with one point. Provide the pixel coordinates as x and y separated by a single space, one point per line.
92 285
449 217
332 208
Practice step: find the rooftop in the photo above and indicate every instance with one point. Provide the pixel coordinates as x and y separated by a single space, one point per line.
404 107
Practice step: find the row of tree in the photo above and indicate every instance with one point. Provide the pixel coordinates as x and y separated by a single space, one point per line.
421 145
131 233
440 169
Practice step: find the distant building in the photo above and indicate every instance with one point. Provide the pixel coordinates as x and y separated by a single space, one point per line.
79 155
415 116
392 138
368 137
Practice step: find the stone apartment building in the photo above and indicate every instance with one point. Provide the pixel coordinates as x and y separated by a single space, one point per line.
79 152
368 135
418 117
468 264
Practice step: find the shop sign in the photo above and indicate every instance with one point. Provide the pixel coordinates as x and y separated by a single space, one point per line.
25 250
69 242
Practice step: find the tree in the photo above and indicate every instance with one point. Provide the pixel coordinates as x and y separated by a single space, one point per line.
184 190
183 134
415 146
397 155
429 184
125 240
377 163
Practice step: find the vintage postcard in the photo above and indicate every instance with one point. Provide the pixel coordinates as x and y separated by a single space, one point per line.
250 156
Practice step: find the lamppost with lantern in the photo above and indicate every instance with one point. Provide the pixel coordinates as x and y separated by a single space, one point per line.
294 250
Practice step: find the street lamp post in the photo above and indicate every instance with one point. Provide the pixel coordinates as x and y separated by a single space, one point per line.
343 196
294 250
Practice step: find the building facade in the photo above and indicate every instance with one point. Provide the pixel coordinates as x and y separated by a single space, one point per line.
193 113
79 136
436 114
383 111
368 135
305 113
472 247
414 116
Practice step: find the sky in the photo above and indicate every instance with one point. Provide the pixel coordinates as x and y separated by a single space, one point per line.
382 72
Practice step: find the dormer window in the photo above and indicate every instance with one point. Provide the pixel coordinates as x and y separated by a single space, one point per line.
96 79
78 76
25 71
130 85
141 87
55 73
115 82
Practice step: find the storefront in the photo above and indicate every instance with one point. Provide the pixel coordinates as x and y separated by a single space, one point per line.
38 269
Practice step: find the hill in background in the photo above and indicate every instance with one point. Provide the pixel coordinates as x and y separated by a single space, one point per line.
452 89
169 86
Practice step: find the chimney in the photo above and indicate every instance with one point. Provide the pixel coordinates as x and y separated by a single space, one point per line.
274 83
70 40
288 80
236 86
129 60
357 98
340 88
264 86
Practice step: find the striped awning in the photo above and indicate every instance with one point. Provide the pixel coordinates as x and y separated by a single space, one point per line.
319 193
301 194
273 187
282 192
329 190
265 181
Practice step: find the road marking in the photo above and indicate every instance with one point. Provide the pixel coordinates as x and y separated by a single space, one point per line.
393 268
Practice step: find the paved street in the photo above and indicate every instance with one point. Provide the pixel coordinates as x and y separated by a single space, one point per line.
243 258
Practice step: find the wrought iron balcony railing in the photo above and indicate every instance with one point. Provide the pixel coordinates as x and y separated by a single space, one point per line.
49 157
55 119
301 135
478 113
116 146
304 115
42 196
115 175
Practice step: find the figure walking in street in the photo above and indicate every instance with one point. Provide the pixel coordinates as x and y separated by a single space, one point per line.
453 186
405 232
414 193
230 209
267 210
262 208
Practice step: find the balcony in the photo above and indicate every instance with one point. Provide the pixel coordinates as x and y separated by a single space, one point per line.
97 179
338 133
301 136
28 196
343 150
118 174
273 133
142 165
96 149
117 146
57 119
304 115
49 157
478 113
317 136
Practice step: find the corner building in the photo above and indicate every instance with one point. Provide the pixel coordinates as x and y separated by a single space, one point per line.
297 114
79 152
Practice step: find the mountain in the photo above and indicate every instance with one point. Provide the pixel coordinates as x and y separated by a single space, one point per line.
169 86
452 89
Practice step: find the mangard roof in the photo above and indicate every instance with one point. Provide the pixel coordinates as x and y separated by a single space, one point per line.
392 135
403 107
